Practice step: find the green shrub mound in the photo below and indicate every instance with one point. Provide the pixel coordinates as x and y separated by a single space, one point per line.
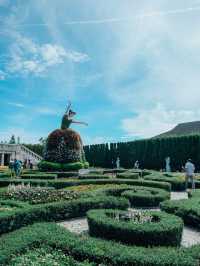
98 251
141 229
94 176
57 211
146 197
59 184
50 166
128 175
187 209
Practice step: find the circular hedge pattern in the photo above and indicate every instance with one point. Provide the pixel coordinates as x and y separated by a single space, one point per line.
163 230
140 196
146 197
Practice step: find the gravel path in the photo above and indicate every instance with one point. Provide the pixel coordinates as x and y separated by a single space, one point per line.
190 236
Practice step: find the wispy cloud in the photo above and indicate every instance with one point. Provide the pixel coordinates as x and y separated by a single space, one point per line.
117 20
2 75
28 57
20 105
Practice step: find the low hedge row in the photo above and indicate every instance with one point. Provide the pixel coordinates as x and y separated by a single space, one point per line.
163 229
187 209
93 176
38 176
62 184
177 184
65 174
114 171
95 250
128 175
12 220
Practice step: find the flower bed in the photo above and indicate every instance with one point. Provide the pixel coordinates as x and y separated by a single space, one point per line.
146 197
95 250
152 229
37 195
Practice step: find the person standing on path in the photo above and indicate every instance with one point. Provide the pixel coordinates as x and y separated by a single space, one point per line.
189 173
17 167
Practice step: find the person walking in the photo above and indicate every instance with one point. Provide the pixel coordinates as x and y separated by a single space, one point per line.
189 173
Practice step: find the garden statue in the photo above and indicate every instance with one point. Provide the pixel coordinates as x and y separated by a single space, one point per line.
167 162
64 145
118 163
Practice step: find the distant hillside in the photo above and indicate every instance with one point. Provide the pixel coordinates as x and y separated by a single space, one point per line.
190 128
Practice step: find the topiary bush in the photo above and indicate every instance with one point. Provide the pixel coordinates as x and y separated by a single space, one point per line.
153 229
39 176
50 166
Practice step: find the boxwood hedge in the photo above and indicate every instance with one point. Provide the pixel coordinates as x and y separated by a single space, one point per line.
12 220
67 183
164 230
128 175
95 250
38 176
146 197
187 209
93 176
177 184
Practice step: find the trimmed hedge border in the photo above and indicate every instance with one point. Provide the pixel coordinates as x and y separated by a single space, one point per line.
39 176
62 184
95 250
94 176
146 197
128 176
165 231
114 171
12 220
177 184
187 209
138 196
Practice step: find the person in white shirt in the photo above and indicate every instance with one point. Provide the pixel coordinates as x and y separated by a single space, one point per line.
189 173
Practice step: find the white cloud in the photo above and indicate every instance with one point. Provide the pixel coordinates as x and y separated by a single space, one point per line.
148 123
20 105
2 75
28 57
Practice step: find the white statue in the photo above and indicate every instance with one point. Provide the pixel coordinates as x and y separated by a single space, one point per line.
118 163
168 167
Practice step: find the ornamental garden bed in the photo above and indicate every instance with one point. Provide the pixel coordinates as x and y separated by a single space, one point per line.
96 251
136 228
138 196
128 175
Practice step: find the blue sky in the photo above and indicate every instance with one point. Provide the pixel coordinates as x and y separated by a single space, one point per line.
130 68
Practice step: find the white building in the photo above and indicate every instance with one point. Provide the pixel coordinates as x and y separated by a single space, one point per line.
17 151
